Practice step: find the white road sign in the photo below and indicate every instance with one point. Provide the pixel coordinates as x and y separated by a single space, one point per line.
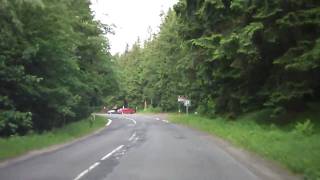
187 102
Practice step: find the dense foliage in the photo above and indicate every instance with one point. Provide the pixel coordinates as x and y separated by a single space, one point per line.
54 64
230 57
227 56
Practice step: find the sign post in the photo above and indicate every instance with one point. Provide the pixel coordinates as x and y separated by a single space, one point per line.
186 102
180 100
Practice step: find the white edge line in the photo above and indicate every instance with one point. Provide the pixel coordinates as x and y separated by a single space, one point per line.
166 121
113 151
135 122
109 122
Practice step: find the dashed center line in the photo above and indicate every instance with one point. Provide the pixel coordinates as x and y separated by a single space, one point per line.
94 165
97 163
82 174
133 135
166 121
112 152
87 171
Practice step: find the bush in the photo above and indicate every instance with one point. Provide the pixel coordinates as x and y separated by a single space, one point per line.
153 110
15 122
201 109
207 108
305 128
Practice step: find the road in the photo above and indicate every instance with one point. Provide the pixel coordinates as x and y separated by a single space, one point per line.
140 147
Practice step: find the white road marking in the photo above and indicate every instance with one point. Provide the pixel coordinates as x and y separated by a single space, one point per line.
97 163
93 166
133 135
135 139
109 122
82 174
87 170
166 121
158 119
134 122
112 152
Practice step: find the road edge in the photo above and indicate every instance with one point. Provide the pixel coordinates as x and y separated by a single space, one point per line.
262 167
49 149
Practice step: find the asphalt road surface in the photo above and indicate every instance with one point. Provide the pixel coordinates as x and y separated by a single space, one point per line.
140 147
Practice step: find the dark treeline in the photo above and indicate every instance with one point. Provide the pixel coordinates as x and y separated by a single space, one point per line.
229 57
54 64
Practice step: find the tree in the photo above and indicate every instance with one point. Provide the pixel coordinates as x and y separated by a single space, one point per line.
55 64
231 57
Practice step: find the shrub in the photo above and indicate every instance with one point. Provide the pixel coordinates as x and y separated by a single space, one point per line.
15 122
153 110
305 128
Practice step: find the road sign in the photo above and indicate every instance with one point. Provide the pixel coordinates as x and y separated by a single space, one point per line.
187 103
181 99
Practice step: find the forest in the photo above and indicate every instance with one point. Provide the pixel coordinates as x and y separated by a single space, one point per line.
251 69
229 57
55 65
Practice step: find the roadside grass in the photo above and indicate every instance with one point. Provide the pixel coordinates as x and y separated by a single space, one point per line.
151 110
18 145
289 145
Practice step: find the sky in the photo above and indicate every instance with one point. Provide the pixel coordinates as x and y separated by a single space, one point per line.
132 19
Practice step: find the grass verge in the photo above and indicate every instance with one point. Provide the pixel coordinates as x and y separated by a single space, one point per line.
288 145
151 110
18 145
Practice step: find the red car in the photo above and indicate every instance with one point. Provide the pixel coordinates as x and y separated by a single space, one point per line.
126 111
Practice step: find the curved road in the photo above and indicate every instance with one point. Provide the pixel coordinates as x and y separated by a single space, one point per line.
139 147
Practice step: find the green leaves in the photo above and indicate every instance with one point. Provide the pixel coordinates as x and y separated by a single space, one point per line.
258 53
12 122
211 42
303 57
54 63
238 55
305 128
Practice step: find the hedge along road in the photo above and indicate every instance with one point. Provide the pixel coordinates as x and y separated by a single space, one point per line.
142 147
